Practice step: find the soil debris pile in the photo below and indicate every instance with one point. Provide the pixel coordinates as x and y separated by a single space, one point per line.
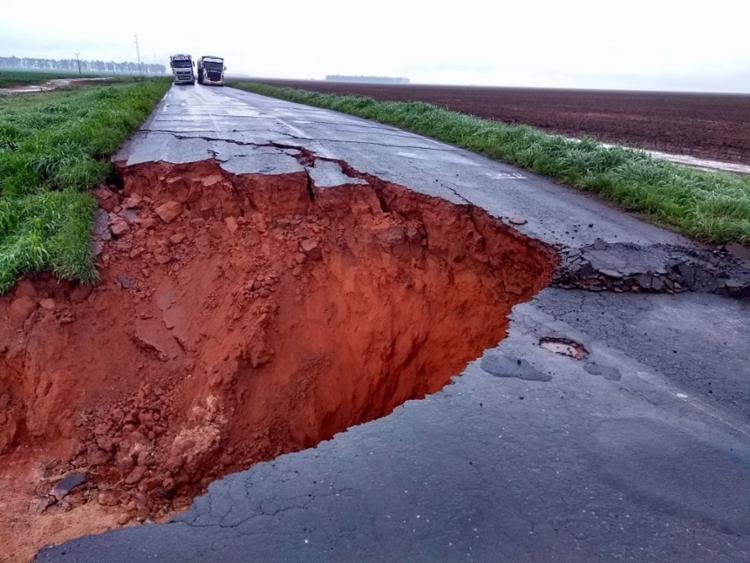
237 318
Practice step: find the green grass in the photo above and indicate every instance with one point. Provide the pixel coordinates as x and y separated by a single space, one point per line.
10 78
713 207
55 147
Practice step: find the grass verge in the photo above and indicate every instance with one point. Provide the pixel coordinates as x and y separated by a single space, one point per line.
709 206
54 148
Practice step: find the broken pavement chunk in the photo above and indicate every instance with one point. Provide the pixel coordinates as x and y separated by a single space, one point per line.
65 485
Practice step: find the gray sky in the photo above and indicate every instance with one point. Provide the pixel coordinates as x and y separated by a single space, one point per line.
636 44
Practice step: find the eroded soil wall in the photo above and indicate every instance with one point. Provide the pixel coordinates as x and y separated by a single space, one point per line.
237 318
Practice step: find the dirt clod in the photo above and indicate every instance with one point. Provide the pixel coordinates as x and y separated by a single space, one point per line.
133 201
20 309
136 475
169 211
311 249
118 226
231 224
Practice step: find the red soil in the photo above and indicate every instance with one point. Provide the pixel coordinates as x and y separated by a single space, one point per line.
237 318
713 126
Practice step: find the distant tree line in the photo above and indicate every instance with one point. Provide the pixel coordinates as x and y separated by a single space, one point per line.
71 65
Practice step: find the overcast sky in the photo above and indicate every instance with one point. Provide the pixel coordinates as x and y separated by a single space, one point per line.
633 44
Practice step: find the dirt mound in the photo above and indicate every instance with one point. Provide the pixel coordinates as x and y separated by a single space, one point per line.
238 318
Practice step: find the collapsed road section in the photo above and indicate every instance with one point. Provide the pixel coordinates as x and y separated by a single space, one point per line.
257 298
569 437
239 316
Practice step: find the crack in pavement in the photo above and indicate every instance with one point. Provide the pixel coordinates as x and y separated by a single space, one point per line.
182 135
416 147
602 266
291 503
393 130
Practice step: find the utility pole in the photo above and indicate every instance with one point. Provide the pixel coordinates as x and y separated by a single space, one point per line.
78 60
138 54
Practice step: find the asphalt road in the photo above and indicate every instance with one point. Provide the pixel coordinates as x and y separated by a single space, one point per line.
639 452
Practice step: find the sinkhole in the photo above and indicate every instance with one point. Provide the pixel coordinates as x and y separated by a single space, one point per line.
237 318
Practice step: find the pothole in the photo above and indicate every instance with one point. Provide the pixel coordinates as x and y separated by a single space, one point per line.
564 346
238 318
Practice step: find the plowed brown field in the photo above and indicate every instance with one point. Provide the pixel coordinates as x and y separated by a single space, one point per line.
713 126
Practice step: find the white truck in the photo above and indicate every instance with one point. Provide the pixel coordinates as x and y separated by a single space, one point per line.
211 70
182 69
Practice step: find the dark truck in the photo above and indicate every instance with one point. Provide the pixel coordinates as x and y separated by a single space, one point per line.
211 70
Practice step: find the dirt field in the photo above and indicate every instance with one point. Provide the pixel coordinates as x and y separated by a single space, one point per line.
712 126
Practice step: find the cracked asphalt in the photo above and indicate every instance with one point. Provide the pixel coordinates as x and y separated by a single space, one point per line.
640 451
